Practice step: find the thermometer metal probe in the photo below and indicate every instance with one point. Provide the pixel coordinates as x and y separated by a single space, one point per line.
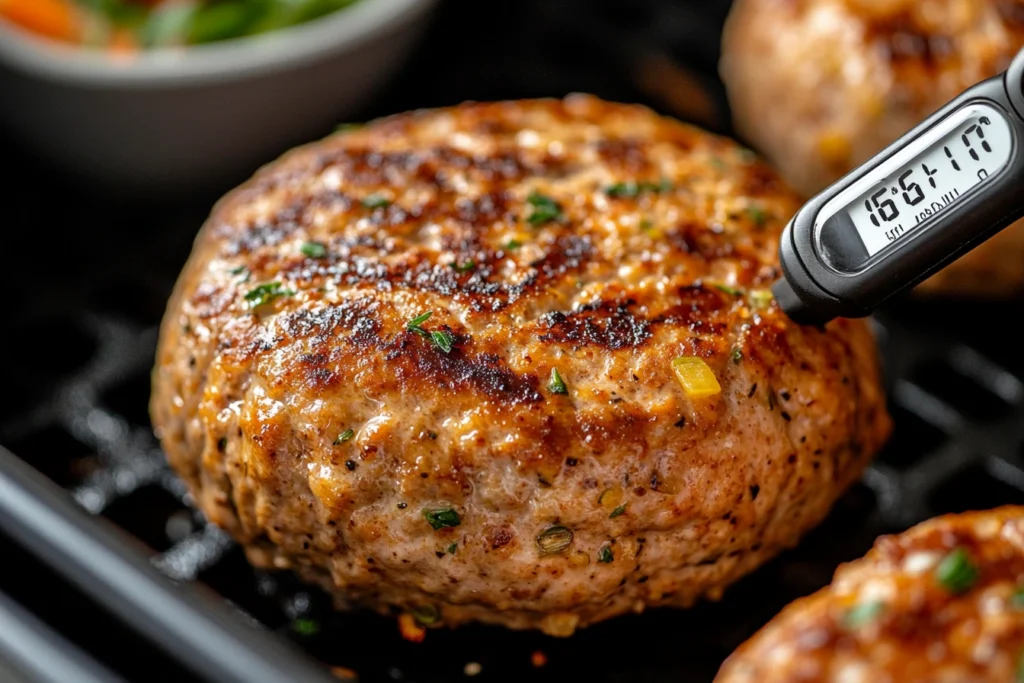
943 188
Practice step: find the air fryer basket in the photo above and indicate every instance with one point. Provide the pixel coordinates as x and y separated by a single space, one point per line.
96 272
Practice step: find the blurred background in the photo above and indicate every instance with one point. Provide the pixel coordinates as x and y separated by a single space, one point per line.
114 158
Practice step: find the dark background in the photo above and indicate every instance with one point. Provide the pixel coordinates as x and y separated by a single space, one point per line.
88 272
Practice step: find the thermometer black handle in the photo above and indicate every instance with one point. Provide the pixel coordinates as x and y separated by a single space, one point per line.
815 289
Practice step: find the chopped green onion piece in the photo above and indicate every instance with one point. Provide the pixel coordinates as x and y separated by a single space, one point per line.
1017 599
736 355
646 224
426 614
238 271
618 511
376 201
305 627
442 339
957 573
557 384
344 436
313 249
419 320
265 293
633 188
726 288
863 614
512 245
543 209
452 548
464 267
757 214
604 554
554 540
444 517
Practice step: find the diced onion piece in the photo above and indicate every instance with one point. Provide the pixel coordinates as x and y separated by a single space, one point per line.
698 380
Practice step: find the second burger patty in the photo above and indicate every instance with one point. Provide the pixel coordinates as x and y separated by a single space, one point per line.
511 362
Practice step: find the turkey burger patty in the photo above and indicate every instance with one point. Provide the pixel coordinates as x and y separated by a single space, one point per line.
511 362
942 602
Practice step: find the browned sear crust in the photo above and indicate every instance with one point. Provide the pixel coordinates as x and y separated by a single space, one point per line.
595 239
942 602
819 86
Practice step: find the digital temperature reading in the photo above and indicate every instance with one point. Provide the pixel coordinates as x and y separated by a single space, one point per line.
977 147
948 184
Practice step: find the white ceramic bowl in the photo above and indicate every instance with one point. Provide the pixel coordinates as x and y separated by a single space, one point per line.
175 119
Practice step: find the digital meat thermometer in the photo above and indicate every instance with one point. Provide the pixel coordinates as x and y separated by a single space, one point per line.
940 190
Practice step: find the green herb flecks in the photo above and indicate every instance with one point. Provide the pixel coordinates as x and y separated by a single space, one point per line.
557 385
426 614
452 548
957 573
757 214
265 293
543 210
441 518
634 188
305 627
617 512
554 540
736 356
646 224
465 266
863 614
727 289
344 436
1017 599
243 271
348 127
376 201
605 555
313 249
442 339
512 245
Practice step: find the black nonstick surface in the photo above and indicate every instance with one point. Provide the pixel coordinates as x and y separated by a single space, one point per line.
88 275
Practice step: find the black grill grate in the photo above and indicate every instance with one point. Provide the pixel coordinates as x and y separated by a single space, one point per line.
83 341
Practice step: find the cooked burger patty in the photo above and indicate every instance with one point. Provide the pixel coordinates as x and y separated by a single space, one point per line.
437 364
941 602
820 86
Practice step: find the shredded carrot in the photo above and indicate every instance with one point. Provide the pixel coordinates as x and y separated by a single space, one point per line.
123 43
54 18
409 629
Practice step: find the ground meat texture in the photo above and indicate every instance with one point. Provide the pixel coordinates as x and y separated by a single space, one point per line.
446 470
940 603
820 86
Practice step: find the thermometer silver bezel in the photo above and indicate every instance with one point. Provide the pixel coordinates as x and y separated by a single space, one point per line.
888 169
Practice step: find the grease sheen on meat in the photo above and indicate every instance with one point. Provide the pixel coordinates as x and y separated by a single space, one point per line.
898 615
819 86
505 221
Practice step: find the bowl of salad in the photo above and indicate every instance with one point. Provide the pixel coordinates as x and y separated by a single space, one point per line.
159 95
